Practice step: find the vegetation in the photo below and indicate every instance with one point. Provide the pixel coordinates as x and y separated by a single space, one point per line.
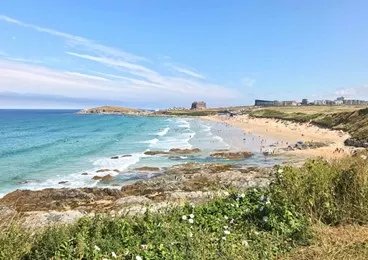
353 121
282 221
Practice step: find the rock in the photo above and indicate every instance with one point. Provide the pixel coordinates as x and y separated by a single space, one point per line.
63 182
232 155
6 212
184 151
114 157
130 200
60 199
174 151
126 155
103 170
44 219
116 170
155 152
85 173
356 143
103 178
147 168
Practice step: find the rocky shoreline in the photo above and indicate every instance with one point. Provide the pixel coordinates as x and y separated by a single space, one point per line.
180 184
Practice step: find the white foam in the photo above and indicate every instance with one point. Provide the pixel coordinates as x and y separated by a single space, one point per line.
163 132
120 164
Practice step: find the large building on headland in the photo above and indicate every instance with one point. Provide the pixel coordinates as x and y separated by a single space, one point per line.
199 105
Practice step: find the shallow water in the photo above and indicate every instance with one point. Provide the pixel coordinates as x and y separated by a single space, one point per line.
40 148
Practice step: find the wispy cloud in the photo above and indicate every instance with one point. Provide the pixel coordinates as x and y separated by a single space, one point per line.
75 40
123 75
188 72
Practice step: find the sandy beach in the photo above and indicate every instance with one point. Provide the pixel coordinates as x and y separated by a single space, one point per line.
288 133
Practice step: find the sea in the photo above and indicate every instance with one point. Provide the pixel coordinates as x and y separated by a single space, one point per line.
59 148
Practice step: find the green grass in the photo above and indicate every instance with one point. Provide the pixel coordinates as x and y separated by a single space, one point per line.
269 223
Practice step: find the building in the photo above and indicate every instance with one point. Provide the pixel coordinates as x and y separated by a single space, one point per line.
304 101
197 105
265 103
289 103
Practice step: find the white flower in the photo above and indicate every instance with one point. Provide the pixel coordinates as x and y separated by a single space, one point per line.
223 238
97 248
226 193
268 202
261 209
242 195
191 215
138 257
226 227
363 157
232 205
190 234
113 255
144 247
232 221
105 259
280 171
245 243
262 198
265 218
191 221
184 217
226 232
226 217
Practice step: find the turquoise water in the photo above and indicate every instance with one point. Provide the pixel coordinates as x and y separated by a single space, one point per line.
40 148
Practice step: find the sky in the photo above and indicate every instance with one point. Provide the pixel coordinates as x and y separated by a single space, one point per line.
164 53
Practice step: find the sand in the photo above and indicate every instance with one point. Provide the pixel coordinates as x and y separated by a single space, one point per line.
288 133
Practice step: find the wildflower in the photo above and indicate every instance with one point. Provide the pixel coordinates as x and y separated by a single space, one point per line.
191 215
226 193
191 221
231 221
363 157
138 257
232 205
280 171
265 218
226 227
113 255
105 259
184 217
226 217
190 234
262 198
223 238
245 243
97 248
144 247
226 232
268 201
242 195
261 209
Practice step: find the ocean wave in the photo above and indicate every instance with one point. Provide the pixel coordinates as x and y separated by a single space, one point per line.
163 132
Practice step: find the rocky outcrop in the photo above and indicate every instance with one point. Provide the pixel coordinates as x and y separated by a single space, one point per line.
147 169
190 182
174 151
356 143
114 157
231 155
103 178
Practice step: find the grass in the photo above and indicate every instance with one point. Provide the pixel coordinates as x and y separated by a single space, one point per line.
310 212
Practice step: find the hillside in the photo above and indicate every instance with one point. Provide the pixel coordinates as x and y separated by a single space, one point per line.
111 110
353 120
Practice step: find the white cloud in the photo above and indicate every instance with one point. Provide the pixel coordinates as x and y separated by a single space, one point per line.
130 78
248 82
186 71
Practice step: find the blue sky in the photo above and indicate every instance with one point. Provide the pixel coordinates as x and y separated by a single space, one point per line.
156 54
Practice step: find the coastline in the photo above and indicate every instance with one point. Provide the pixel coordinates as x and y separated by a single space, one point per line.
286 133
